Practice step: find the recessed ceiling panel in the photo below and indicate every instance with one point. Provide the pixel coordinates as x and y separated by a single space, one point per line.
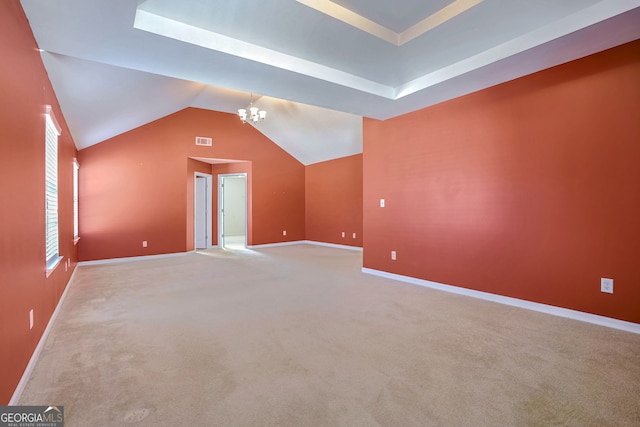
399 15
301 35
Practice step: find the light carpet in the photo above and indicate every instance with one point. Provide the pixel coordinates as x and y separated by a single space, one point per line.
298 336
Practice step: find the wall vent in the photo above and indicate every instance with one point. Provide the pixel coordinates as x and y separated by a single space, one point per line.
201 140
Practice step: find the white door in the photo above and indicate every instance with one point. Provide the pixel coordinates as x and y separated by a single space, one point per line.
200 224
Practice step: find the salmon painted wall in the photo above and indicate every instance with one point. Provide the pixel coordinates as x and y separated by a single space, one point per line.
529 189
24 91
134 187
334 201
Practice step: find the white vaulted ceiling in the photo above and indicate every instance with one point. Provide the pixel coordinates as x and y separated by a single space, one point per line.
317 66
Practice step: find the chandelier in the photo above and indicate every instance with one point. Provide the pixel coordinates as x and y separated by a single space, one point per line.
255 115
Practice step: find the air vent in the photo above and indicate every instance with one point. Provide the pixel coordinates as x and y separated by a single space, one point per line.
201 140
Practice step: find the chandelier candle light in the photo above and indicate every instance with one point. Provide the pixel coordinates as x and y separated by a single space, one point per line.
255 114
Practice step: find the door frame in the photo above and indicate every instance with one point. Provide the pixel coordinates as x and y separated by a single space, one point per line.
221 178
208 207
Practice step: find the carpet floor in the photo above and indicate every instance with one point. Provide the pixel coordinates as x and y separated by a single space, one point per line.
299 336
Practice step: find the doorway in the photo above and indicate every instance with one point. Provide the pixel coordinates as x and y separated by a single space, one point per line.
232 210
202 221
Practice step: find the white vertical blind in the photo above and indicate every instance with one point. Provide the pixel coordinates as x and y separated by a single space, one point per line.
51 187
76 168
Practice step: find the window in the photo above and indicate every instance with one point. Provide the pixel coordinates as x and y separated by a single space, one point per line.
76 168
51 191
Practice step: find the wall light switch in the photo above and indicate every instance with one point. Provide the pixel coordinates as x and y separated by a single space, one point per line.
382 203
343 234
606 285
354 235
144 243
31 319
393 255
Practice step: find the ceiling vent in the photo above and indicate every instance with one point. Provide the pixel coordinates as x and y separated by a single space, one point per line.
201 140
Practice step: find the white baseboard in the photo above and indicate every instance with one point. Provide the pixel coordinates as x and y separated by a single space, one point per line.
333 245
515 302
133 258
275 245
305 242
43 339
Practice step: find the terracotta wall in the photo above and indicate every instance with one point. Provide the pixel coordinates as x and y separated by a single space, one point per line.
136 186
334 201
24 91
529 189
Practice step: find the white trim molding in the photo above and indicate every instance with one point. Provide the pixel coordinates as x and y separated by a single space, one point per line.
17 394
515 302
274 245
133 258
333 245
306 242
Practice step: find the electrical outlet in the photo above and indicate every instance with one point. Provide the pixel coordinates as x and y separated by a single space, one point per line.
343 234
284 232
354 235
606 285
31 319
382 203
393 255
144 243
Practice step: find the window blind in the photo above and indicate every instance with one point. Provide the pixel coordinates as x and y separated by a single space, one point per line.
76 168
51 188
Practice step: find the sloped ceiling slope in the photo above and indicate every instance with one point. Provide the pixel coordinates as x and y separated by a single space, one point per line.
316 66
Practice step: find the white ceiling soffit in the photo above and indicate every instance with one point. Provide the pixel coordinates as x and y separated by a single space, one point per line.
119 64
187 33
